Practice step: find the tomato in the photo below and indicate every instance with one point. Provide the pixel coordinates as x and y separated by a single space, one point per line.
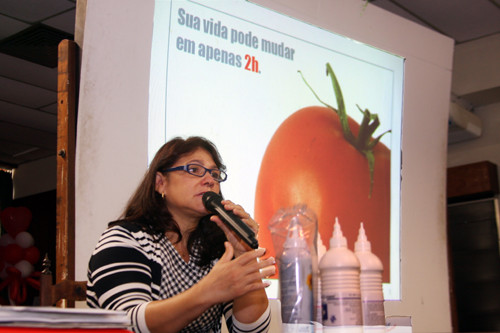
308 161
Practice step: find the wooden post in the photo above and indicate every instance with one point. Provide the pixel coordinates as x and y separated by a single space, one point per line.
66 124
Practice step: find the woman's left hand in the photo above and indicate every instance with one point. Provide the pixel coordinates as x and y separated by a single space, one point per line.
239 245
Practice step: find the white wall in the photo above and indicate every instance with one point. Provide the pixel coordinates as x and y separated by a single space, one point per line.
476 69
112 115
112 131
484 148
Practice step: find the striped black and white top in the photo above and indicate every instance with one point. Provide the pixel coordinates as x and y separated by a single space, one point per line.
130 268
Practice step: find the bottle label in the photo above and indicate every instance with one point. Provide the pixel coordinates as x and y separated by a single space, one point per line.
297 328
342 310
296 291
373 313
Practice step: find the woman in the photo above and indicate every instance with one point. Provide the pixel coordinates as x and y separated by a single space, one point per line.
168 264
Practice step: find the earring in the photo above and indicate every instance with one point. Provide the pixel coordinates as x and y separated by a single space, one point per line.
163 195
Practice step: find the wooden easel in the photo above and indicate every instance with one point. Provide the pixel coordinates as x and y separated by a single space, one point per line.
67 84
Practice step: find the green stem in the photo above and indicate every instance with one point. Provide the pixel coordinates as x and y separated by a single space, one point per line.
364 143
366 4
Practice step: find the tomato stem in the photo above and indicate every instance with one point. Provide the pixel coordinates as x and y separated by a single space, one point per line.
364 143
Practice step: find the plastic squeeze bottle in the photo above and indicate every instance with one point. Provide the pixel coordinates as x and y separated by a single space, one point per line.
295 279
372 295
340 289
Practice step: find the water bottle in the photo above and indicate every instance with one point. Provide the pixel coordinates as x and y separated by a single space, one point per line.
295 277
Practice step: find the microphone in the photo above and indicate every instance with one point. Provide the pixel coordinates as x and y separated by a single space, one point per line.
212 202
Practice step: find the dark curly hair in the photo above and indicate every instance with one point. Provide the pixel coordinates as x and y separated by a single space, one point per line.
147 208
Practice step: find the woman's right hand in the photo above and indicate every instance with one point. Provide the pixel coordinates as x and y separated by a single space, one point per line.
231 278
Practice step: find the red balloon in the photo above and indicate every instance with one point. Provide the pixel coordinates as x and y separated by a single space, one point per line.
15 219
13 253
31 255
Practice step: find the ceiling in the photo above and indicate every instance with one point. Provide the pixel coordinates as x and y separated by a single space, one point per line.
31 29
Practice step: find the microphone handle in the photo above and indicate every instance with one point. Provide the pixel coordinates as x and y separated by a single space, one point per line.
238 226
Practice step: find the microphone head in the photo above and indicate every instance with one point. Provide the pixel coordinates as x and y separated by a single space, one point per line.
209 199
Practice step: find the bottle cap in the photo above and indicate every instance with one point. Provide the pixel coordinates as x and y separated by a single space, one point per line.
338 239
362 244
295 237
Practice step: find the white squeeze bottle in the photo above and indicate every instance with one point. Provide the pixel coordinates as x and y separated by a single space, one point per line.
340 291
372 295
295 279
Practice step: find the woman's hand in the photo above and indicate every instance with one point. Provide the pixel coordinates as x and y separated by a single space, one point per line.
239 245
230 278
237 280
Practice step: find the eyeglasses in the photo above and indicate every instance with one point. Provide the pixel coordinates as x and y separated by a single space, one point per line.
200 171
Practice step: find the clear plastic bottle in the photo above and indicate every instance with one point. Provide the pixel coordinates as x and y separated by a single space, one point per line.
296 292
372 295
340 288
317 286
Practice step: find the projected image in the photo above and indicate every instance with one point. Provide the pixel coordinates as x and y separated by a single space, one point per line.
321 157
300 115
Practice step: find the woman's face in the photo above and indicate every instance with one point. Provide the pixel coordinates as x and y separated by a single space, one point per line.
183 191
